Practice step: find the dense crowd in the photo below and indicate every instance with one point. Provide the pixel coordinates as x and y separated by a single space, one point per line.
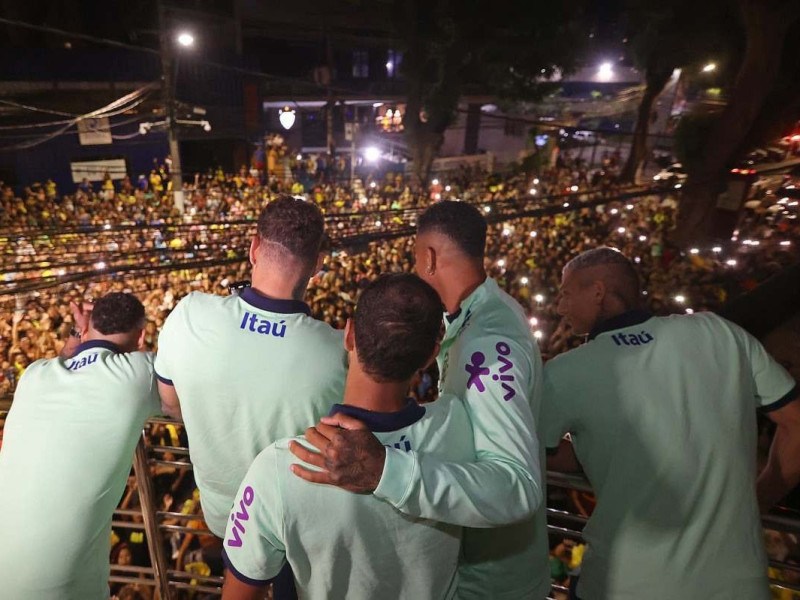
525 255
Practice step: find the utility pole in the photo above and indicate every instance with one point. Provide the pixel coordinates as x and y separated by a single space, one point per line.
168 94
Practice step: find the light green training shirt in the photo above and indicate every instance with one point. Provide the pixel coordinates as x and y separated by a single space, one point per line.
248 370
344 545
662 414
490 359
67 450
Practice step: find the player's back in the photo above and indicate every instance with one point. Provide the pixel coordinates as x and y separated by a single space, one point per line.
355 546
67 449
248 370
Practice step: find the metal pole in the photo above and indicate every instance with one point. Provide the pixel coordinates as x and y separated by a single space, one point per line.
142 471
168 92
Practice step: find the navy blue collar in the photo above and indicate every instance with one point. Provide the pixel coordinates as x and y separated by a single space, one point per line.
98 344
452 316
626 319
274 305
383 421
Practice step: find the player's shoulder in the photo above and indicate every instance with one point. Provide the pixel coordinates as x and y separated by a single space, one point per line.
324 331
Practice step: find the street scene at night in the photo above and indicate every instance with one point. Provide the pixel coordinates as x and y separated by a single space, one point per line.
400 299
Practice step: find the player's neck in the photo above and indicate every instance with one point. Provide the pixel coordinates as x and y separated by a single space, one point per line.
362 391
460 287
277 287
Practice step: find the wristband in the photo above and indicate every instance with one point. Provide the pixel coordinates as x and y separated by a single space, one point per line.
74 333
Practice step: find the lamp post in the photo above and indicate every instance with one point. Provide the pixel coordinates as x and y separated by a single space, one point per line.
168 93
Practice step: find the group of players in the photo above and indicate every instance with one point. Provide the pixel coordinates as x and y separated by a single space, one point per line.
385 498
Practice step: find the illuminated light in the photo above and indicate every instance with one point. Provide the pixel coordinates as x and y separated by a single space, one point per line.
299 157
373 185
447 188
637 260
62 271
287 117
566 204
538 334
678 186
613 211
378 224
435 182
533 321
437 196
644 293
620 230
709 67
694 251
107 226
793 203
363 200
533 234
716 249
536 181
731 262
377 104
605 72
574 188
524 280
680 298
539 298
786 243
372 154
100 265
186 39
783 201
689 311
506 231
629 206
532 192
734 170
501 262
735 232
487 209
642 238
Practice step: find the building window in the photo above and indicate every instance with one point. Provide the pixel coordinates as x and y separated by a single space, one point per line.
360 64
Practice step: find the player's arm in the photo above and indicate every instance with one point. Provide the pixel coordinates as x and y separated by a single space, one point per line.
170 403
502 485
253 550
81 314
168 351
562 459
236 589
782 471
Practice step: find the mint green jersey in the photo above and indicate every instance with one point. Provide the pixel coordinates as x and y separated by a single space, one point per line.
248 370
67 449
489 359
344 545
662 415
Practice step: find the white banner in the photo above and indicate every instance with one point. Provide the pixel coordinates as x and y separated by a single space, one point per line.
95 170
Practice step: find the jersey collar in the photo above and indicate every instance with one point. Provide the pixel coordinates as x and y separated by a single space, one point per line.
274 305
454 321
383 421
626 319
105 344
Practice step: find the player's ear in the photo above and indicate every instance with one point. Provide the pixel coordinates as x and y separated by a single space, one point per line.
349 336
430 260
599 291
254 249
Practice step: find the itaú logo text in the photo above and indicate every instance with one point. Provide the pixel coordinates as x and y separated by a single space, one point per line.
632 339
256 324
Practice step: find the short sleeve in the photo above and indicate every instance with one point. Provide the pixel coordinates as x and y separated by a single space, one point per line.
169 343
254 549
774 386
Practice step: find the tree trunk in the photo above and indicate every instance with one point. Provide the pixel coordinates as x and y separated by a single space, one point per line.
766 25
656 80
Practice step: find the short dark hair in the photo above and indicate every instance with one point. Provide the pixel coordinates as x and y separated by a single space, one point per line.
117 313
461 222
397 322
293 223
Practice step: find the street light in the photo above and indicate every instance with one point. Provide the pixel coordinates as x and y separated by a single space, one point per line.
372 154
287 117
710 67
605 72
185 39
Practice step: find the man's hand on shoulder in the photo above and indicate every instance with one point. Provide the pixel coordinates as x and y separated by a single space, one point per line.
350 456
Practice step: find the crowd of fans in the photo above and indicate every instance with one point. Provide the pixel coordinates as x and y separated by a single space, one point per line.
524 254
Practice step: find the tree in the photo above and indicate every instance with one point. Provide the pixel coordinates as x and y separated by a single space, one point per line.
503 47
766 25
664 37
